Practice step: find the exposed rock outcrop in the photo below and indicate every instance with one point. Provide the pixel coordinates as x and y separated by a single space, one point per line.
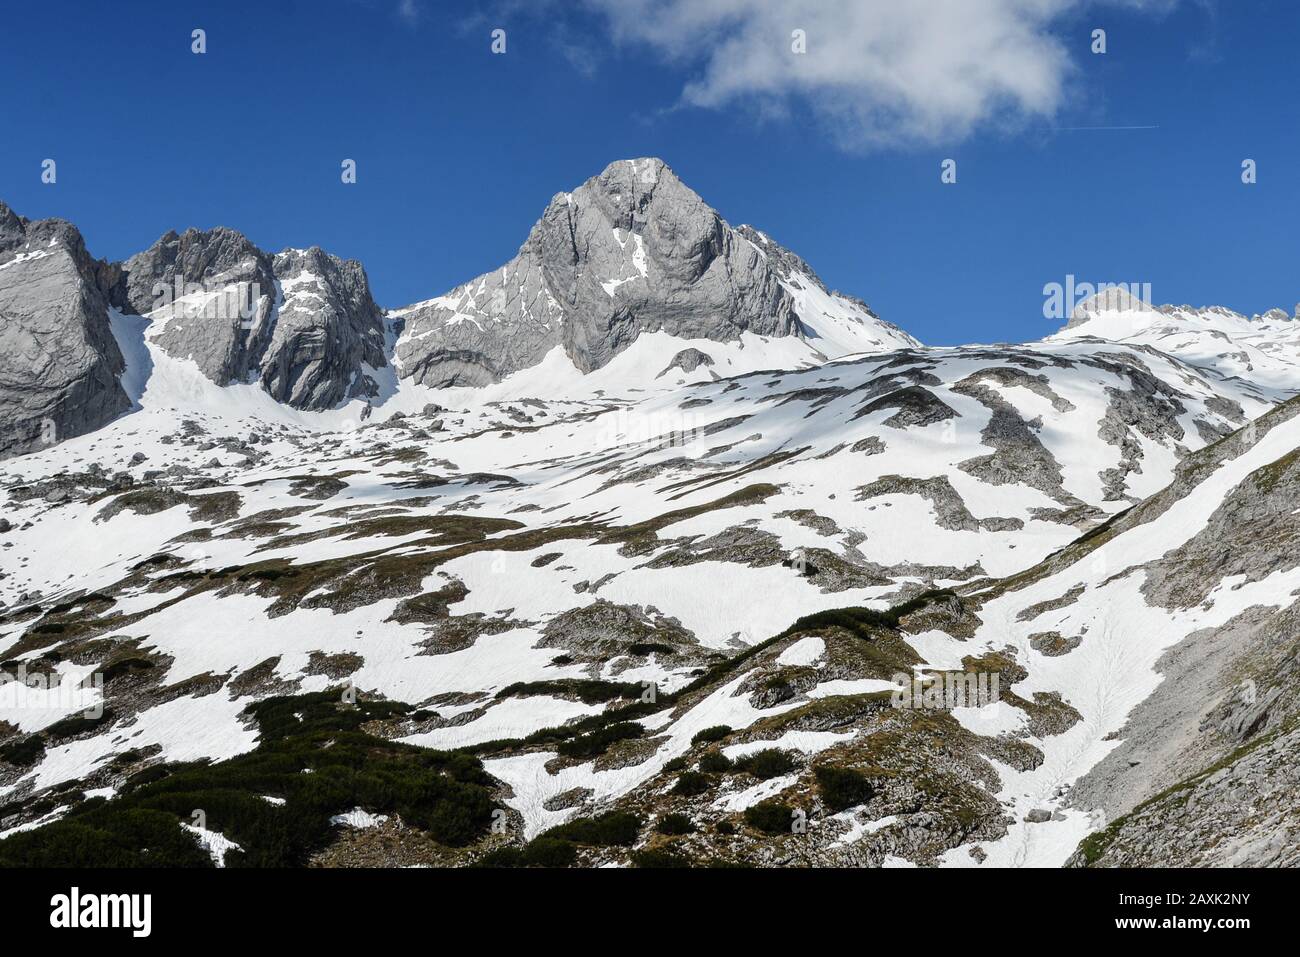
59 362
631 251
302 323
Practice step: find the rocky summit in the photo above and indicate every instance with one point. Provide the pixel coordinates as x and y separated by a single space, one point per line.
629 252
646 548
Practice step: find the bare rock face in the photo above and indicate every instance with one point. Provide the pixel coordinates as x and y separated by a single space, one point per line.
1236 813
302 322
327 330
631 251
203 324
59 362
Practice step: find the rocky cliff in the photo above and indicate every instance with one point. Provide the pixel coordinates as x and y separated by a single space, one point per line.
59 363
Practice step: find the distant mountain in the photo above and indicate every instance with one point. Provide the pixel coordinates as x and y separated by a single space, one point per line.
630 258
629 252
1261 350
301 323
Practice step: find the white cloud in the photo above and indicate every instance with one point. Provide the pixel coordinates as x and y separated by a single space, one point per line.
879 72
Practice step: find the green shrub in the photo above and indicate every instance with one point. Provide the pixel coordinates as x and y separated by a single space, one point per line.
542 852
709 735
674 825
768 763
136 838
691 784
770 817
124 666
612 829
641 649
597 742
548 852
657 858
23 753
78 724
503 857
842 788
675 765
715 762
442 793
586 690
861 621
300 715
155 772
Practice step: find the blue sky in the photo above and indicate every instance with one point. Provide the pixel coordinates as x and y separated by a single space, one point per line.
459 150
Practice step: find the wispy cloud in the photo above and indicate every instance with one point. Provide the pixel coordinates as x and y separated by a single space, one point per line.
1206 50
409 12
877 72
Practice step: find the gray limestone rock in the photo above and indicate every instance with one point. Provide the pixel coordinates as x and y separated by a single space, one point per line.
327 331
302 323
688 360
949 509
59 362
631 251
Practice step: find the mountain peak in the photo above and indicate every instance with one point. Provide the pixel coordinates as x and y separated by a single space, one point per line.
1111 299
643 169
631 251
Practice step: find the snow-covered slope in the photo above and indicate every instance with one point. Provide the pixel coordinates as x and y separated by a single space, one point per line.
232 548
1172 633
1263 351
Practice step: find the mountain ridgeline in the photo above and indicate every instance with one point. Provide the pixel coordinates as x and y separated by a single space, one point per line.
630 252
